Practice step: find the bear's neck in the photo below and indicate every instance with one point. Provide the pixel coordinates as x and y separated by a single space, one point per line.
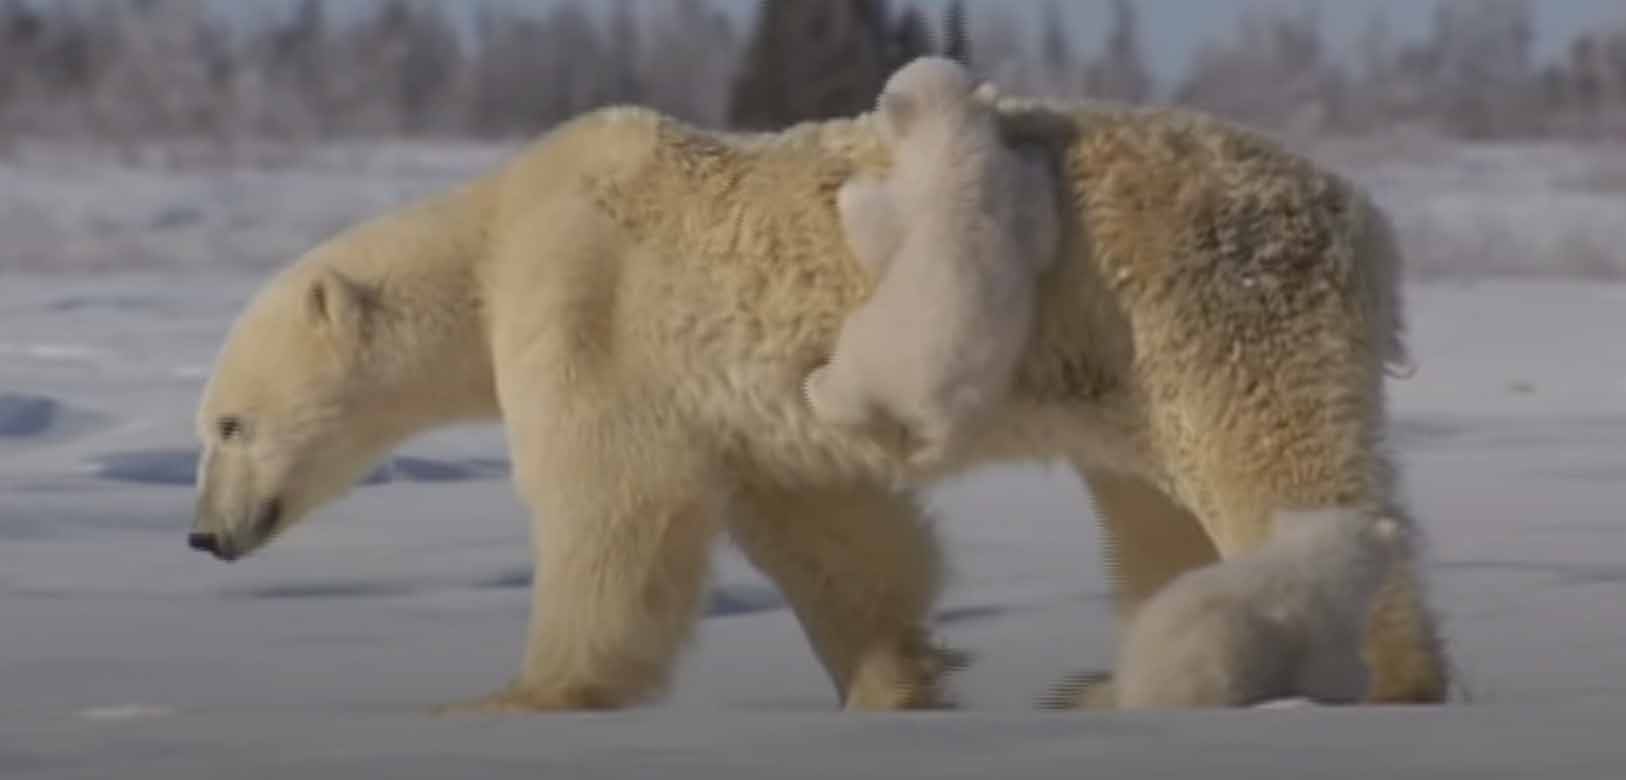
422 263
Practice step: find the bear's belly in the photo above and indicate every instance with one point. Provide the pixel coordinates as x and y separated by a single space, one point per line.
776 436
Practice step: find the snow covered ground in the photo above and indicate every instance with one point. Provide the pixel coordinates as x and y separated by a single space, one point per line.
1525 209
123 654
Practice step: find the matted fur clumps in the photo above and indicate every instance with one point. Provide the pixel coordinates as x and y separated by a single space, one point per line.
956 232
638 303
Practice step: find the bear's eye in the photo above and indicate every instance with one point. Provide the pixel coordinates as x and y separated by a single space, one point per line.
229 428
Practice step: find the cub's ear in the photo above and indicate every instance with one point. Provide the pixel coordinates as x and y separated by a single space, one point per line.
334 302
898 114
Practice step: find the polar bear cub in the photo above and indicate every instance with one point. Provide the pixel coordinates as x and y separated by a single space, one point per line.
1281 621
957 233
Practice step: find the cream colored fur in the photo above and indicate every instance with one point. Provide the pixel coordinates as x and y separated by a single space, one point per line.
1282 620
638 302
956 233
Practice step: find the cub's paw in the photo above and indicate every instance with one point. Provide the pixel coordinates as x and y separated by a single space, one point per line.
835 404
810 382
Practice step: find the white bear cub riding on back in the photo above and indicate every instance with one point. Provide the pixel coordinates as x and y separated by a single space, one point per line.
957 233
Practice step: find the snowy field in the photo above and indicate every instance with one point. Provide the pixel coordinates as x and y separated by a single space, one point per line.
123 654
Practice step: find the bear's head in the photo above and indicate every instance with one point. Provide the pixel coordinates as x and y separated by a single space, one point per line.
297 409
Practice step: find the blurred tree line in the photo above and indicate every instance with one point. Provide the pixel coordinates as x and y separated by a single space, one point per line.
134 71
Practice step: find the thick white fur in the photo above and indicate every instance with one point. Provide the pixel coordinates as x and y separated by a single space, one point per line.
1282 620
957 232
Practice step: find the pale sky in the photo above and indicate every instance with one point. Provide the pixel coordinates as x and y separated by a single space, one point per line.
1170 29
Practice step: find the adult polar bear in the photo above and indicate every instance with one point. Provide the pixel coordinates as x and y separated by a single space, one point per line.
638 301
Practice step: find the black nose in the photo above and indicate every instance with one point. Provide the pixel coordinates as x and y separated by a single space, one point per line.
208 543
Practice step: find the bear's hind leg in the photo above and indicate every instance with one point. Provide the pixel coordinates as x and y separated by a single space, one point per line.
1403 646
861 569
1147 541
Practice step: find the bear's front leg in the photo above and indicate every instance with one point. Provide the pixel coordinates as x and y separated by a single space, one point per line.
624 517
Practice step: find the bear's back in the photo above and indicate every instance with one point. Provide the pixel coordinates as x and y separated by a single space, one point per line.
1172 222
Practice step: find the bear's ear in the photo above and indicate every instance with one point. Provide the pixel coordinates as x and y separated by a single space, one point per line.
335 303
898 112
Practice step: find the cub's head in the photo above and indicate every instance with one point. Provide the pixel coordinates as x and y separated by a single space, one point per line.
927 88
293 413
